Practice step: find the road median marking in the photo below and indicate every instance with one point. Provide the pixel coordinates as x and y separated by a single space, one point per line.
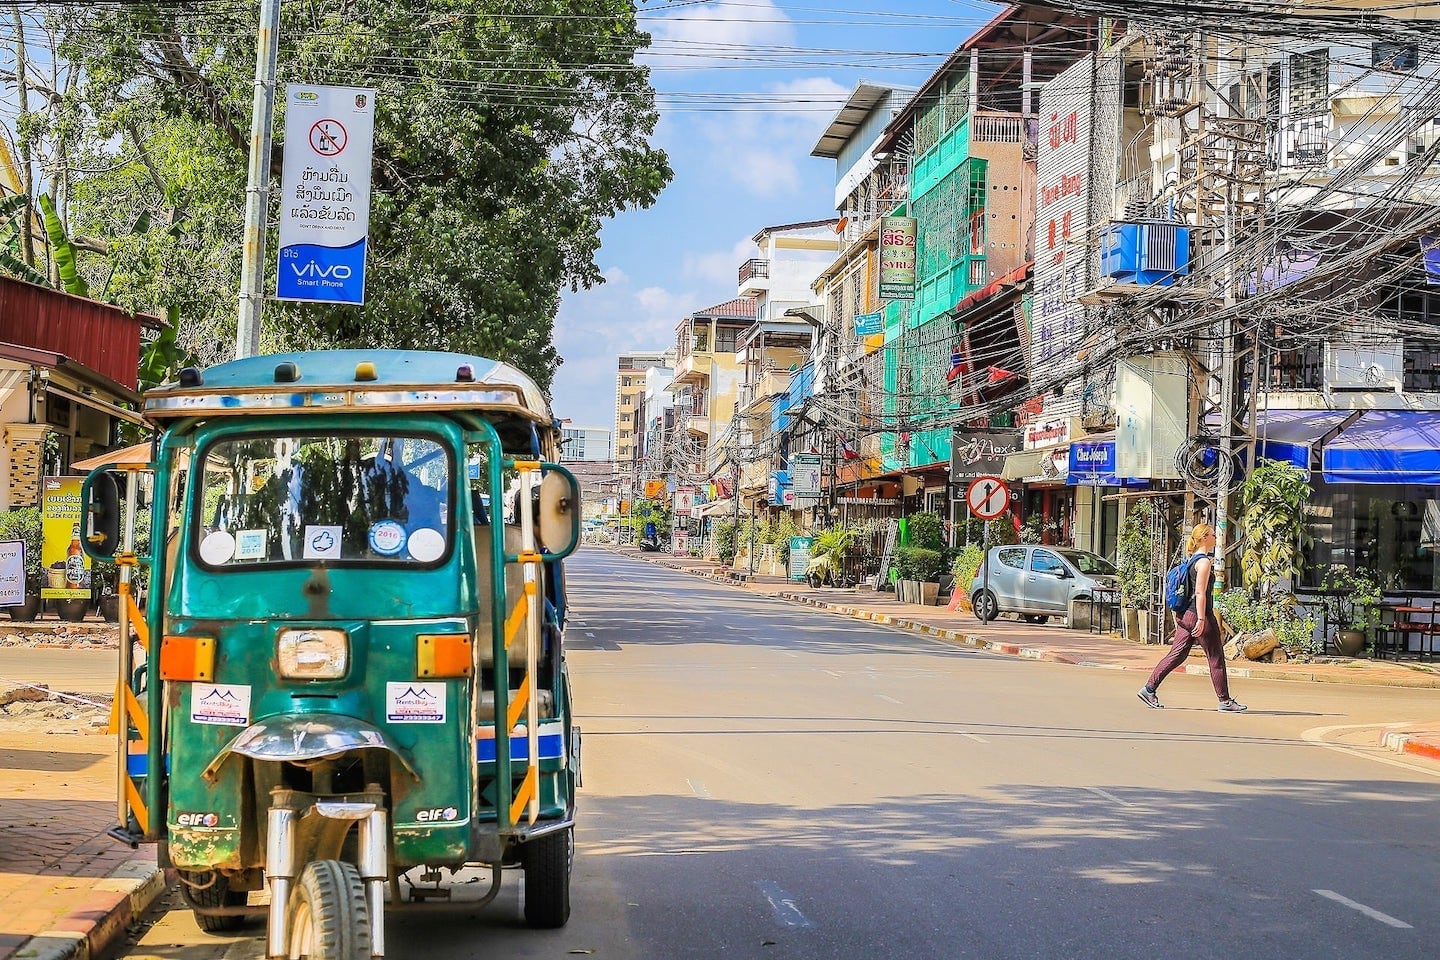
1370 912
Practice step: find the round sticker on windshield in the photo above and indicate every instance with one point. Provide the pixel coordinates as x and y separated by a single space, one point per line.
427 544
217 548
387 538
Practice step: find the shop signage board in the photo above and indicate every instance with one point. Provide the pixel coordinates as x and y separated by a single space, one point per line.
684 501
66 573
1050 432
799 557
679 542
12 572
976 453
869 324
988 497
897 258
325 193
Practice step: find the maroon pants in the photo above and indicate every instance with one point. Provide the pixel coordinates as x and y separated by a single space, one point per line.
1185 638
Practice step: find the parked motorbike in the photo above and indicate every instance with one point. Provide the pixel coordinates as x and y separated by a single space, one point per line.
649 545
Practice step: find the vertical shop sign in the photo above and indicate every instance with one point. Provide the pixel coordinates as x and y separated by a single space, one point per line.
897 258
325 193
66 574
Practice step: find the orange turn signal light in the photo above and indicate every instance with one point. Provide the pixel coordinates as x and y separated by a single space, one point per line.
187 658
444 655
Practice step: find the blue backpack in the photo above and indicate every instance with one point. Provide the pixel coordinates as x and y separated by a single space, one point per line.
1179 589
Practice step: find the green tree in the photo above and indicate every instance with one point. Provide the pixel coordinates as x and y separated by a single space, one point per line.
507 132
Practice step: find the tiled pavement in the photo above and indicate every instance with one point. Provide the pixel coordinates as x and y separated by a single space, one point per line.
66 889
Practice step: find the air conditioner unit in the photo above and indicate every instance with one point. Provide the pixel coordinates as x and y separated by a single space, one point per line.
1378 366
1153 254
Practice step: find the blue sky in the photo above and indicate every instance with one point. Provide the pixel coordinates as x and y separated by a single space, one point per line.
745 89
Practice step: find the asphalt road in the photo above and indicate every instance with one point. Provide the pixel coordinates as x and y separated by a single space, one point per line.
771 781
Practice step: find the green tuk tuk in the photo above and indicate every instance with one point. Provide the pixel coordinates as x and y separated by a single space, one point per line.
348 672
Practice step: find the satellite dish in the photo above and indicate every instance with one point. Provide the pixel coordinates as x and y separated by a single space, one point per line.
557 509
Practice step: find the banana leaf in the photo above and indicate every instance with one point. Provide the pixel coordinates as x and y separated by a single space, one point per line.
14 265
62 250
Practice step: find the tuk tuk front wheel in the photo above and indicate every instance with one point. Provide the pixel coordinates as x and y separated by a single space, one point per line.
328 916
211 888
547 880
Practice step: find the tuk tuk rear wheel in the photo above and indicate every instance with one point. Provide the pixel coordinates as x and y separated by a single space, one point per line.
206 888
328 917
547 880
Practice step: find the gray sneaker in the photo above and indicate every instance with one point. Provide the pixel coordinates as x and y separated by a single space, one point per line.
1230 706
1151 700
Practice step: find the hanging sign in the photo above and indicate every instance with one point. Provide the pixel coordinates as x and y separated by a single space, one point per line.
684 501
897 258
325 193
869 324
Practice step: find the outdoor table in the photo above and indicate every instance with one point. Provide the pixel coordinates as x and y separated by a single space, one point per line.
1405 621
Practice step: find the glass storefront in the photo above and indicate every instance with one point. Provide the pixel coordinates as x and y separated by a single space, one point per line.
1393 531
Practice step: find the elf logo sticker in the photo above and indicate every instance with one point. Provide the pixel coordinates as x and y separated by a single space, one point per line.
197 819
437 815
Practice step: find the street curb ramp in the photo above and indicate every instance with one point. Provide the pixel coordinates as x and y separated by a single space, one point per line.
96 928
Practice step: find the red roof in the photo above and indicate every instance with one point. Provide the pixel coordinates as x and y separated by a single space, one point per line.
742 307
96 335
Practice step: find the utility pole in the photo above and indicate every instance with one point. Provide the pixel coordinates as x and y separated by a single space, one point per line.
257 190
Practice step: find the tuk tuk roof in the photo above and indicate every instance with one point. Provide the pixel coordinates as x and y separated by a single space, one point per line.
350 381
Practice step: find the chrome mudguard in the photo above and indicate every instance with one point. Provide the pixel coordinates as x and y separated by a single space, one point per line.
305 736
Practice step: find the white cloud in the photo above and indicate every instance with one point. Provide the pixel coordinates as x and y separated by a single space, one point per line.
719 268
711 34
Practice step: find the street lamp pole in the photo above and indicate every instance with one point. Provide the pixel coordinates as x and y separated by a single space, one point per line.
257 190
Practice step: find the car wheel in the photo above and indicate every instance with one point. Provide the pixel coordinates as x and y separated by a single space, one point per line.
985 607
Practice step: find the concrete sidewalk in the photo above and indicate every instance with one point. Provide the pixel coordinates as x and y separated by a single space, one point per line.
67 891
1056 643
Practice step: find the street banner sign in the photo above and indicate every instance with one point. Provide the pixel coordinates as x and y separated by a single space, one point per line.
66 565
325 193
988 497
805 475
684 501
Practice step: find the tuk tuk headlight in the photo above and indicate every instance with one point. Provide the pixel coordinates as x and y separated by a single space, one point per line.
311 654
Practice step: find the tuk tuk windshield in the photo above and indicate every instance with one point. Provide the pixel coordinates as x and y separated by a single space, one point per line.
347 498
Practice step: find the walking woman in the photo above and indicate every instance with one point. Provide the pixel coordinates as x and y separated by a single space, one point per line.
1196 624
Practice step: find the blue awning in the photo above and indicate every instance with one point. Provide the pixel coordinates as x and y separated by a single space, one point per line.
1290 435
1385 446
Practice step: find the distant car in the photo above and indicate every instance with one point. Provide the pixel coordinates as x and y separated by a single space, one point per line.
1038 582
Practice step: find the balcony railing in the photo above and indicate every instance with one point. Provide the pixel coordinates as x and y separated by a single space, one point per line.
752 269
998 128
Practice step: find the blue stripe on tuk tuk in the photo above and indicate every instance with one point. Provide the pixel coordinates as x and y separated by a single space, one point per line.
138 764
552 743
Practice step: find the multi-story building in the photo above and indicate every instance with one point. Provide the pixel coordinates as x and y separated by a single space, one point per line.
581 444
707 380
629 386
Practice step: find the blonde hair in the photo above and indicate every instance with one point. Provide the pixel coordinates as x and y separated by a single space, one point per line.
1197 536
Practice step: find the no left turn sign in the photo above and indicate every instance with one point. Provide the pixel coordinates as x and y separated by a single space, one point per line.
988 497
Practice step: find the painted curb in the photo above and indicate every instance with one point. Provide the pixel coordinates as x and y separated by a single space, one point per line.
93 930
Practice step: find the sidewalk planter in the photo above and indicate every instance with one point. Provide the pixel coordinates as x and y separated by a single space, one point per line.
72 611
27 611
1131 618
110 607
1350 643
1079 618
929 593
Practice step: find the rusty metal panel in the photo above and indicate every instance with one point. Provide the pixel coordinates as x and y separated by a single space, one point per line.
104 338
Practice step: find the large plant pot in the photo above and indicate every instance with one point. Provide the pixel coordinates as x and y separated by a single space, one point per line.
1350 643
929 593
1146 625
27 611
110 607
1131 618
72 611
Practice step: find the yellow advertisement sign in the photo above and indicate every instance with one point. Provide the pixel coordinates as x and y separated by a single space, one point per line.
654 489
66 573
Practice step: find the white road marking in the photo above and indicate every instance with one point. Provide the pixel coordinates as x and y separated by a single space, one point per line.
1108 796
698 788
833 674
975 737
590 635
887 699
1370 912
786 912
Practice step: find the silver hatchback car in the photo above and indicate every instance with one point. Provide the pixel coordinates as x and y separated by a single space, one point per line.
1038 582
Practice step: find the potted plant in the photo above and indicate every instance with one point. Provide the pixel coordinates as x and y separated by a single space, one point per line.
828 551
1351 599
965 569
105 576
919 570
24 524
1134 559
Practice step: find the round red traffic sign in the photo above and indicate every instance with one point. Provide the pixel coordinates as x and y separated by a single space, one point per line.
988 497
